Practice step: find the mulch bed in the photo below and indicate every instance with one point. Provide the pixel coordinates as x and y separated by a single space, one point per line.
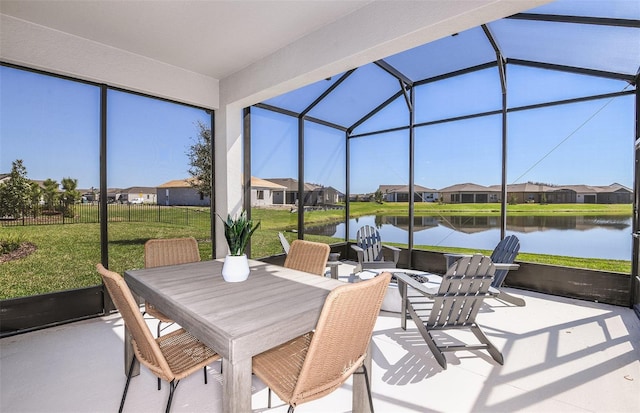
23 250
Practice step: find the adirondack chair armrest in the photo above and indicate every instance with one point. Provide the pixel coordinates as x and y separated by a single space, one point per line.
396 252
410 282
359 251
508 267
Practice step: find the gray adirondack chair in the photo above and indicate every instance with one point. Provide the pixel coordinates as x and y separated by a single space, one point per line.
454 305
284 243
369 249
504 253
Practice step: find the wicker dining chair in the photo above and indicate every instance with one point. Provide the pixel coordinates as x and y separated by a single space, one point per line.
308 256
319 362
168 251
170 357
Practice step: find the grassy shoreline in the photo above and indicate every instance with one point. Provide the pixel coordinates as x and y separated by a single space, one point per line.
432 208
66 254
274 220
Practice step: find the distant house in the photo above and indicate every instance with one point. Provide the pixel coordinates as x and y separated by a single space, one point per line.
530 192
614 194
568 194
113 195
333 195
180 192
469 193
290 195
360 197
265 193
400 193
607 194
542 193
4 177
313 194
139 195
91 195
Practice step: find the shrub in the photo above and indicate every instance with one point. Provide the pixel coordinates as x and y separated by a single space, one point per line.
9 243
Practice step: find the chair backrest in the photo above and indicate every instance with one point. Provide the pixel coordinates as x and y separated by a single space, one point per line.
170 251
463 288
308 256
143 341
504 253
285 244
368 238
341 339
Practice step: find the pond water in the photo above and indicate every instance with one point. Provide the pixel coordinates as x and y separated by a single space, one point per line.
576 236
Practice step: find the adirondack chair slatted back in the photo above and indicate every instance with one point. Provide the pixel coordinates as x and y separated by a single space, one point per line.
504 253
284 242
368 238
463 288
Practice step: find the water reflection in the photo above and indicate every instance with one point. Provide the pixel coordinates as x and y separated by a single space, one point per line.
577 236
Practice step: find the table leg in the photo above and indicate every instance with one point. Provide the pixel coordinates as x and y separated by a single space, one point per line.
360 398
334 272
236 386
128 354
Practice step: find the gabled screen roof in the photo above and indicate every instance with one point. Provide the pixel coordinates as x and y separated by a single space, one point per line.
595 38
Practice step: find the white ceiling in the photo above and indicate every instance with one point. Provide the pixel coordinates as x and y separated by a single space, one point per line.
229 35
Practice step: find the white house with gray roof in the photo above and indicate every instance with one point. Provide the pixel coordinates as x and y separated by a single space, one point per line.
400 193
179 192
265 193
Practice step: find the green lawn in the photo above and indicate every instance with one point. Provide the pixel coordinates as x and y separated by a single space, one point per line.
66 255
432 208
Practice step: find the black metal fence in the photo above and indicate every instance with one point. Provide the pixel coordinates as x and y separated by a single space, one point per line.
90 213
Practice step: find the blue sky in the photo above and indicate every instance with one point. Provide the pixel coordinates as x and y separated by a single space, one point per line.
53 125
583 143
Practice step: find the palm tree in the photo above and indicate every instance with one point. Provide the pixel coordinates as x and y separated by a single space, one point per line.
70 195
50 193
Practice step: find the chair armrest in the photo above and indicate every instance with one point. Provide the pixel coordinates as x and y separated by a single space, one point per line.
409 281
360 252
508 267
396 252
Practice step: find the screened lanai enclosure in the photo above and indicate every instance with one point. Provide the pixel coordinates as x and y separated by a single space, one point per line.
527 125
521 114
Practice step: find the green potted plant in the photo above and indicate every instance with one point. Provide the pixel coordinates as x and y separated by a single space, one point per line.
237 232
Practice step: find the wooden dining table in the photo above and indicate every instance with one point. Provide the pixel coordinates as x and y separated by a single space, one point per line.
239 320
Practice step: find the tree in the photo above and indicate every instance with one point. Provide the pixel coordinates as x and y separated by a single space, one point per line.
377 196
50 193
70 196
14 193
200 160
34 197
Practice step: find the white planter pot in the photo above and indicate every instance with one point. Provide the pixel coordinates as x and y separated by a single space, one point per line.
392 301
235 268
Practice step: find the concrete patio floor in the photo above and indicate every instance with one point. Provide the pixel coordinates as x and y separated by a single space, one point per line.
561 355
